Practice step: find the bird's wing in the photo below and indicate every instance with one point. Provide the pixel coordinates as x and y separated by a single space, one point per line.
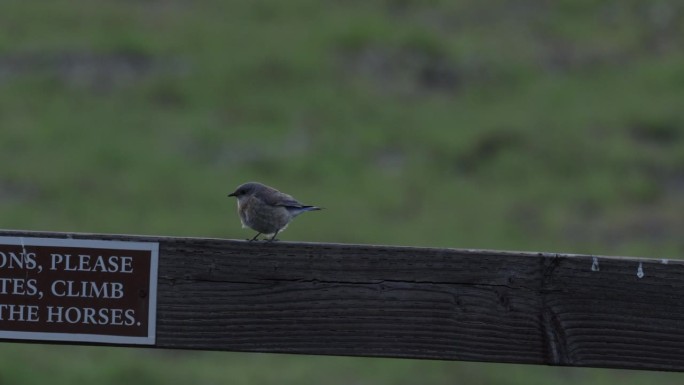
274 197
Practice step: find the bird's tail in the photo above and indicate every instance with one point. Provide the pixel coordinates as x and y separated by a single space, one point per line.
294 211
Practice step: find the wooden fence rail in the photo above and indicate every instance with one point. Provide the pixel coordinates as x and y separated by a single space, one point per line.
451 304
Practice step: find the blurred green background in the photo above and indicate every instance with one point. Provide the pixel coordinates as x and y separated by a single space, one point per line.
528 125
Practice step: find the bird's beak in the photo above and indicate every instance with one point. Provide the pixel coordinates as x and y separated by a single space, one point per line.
231 194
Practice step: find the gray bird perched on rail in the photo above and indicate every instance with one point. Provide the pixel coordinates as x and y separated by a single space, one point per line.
265 209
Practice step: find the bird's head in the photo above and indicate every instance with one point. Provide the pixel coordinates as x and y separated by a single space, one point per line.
245 190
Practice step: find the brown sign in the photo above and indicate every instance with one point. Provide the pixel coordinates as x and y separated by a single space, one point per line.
78 290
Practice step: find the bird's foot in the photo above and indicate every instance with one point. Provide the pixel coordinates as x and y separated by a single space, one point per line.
255 238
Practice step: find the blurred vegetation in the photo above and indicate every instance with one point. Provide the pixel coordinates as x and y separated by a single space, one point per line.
531 125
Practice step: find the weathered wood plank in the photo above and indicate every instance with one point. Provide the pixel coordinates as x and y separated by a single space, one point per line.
361 300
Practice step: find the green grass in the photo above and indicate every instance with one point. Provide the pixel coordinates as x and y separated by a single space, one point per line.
68 365
549 127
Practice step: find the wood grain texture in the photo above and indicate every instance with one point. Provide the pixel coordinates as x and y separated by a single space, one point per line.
453 304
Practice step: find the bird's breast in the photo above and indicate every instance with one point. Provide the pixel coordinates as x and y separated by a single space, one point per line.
263 217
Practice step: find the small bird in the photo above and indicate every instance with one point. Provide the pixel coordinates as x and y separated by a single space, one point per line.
265 209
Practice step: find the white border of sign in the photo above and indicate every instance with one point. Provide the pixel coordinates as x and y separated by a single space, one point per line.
153 247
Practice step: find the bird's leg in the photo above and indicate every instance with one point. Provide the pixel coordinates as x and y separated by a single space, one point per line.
273 237
254 239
